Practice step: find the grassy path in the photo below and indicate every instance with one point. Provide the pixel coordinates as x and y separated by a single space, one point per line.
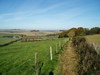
68 61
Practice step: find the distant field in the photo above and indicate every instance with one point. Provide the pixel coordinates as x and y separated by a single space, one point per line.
28 32
4 39
18 58
42 34
94 39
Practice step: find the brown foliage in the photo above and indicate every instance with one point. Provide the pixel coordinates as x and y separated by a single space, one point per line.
79 32
89 62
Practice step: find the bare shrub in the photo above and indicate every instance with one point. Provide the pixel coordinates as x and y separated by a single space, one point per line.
89 61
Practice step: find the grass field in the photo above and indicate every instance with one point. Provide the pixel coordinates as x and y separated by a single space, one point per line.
18 58
6 40
28 32
94 39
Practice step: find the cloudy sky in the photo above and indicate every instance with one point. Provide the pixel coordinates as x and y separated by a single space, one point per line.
49 14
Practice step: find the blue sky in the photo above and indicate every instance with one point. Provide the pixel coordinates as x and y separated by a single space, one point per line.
49 14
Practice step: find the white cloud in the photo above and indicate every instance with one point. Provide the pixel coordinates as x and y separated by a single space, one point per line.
22 15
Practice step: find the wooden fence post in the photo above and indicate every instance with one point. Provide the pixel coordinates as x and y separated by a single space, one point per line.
56 49
51 53
65 40
59 45
36 64
63 43
94 46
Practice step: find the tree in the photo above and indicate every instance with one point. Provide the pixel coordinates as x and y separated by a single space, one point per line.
71 33
95 30
79 32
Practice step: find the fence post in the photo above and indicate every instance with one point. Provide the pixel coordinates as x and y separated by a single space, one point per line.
94 46
59 45
36 64
63 43
65 40
56 49
51 53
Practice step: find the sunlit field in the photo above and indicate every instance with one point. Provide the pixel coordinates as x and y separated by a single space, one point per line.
18 58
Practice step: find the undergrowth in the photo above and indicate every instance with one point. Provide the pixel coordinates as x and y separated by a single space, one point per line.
89 60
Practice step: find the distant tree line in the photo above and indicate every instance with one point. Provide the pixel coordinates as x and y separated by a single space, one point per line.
79 32
34 30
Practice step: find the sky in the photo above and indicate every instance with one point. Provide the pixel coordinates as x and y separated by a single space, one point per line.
49 14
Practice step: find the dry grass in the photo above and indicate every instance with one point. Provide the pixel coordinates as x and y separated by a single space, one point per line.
28 32
89 59
94 39
23 32
68 61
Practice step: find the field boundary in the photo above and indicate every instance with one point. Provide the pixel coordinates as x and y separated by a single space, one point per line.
89 59
67 61
11 42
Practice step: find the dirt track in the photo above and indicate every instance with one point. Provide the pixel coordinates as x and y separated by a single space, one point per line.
68 61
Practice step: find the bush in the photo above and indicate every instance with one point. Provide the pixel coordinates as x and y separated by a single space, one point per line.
79 32
89 61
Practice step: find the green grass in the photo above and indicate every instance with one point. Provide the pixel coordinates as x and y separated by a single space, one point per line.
6 40
2 35
18 58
